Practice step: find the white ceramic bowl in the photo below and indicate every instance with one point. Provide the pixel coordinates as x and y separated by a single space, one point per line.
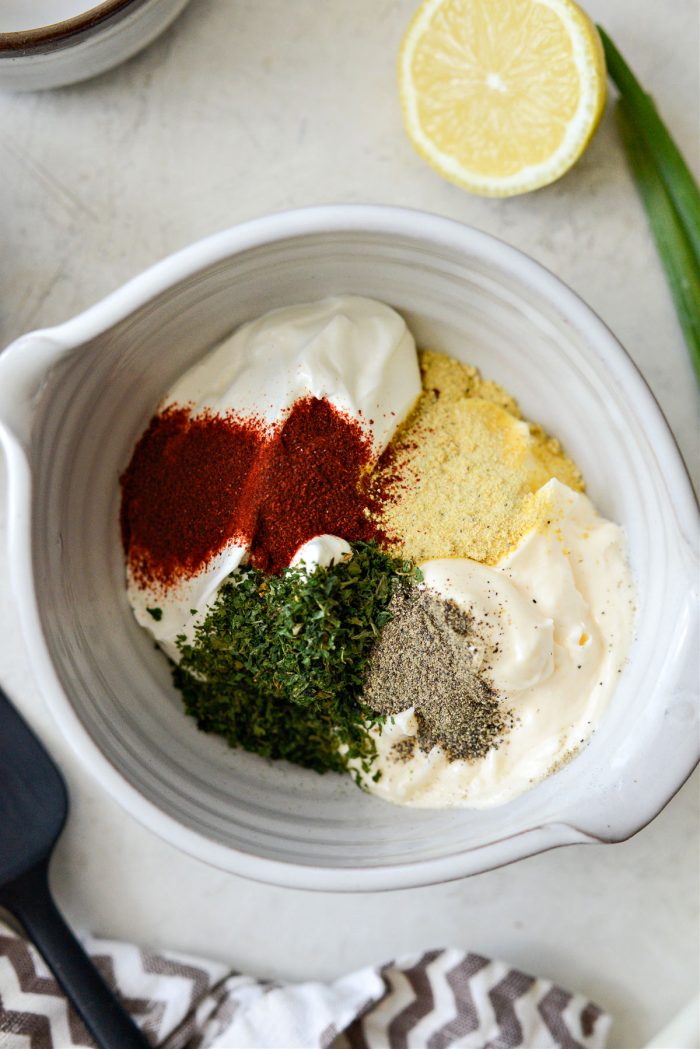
73 400
51 43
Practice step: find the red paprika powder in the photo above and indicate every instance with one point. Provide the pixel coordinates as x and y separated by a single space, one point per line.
196 484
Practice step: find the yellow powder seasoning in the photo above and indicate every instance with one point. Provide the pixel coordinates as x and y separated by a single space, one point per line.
460 477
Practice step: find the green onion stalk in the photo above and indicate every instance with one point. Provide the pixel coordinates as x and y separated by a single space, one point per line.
668 190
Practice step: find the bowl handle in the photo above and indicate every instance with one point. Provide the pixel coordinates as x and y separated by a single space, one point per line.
24 367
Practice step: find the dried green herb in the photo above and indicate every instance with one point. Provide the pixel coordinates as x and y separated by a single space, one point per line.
278 665
157 613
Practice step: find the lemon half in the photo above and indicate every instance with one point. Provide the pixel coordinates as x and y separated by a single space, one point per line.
501 96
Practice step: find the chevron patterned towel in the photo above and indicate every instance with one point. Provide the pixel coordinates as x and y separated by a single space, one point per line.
427 1001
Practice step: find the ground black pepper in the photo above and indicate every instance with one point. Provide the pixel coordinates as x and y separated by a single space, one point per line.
426 658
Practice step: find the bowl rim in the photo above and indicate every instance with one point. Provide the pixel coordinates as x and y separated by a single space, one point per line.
49 36
53 343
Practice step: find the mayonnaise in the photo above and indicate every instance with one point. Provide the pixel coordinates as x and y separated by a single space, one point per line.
556 617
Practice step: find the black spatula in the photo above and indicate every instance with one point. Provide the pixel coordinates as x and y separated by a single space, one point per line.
33 810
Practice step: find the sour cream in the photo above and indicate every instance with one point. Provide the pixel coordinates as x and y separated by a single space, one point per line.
556 617
354 352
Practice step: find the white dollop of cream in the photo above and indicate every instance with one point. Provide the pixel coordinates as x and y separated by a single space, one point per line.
321 552
557 619
356 353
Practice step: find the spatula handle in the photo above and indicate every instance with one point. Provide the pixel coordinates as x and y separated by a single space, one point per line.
30 900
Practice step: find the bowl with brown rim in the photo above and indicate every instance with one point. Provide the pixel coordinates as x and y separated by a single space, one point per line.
52 43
